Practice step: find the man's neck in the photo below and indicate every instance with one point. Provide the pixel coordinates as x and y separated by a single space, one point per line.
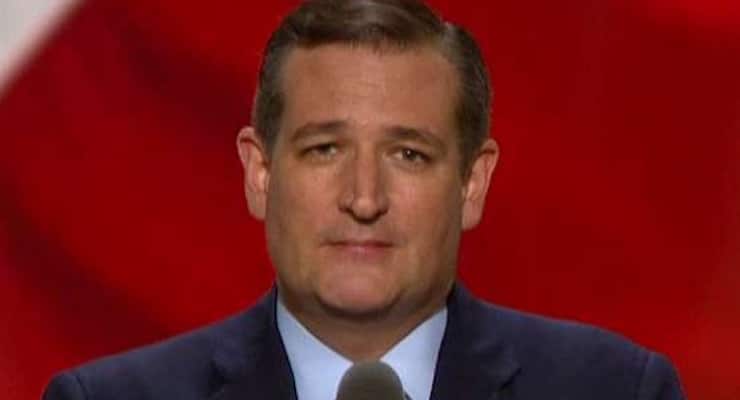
359 338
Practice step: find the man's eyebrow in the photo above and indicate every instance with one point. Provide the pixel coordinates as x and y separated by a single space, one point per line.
396 132
415 134
313 128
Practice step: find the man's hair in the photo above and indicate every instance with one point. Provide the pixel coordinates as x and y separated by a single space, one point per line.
379 24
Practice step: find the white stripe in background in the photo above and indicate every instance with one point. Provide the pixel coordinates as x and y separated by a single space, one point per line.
24 25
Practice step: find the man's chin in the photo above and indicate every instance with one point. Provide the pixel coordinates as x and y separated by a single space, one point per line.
356 308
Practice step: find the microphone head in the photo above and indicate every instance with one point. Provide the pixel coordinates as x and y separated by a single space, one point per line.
370 380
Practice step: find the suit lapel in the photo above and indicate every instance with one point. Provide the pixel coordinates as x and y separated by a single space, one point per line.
474 362
252 364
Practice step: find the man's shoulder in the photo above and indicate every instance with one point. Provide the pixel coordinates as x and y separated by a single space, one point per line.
178 367
539 336
557 353
170 354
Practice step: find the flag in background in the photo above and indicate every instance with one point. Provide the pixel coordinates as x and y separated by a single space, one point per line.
122 220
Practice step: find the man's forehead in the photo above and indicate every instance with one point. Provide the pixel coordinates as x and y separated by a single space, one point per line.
342 58
331 78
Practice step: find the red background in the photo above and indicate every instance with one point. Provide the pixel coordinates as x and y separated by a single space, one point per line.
617 199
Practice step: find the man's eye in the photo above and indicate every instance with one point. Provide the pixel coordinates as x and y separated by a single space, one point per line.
323 150
413 156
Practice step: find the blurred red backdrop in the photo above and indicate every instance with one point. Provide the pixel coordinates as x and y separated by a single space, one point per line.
617 199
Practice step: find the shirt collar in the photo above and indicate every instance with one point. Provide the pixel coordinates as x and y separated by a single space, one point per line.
317 369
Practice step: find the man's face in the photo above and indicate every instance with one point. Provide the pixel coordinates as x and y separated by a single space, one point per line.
362 195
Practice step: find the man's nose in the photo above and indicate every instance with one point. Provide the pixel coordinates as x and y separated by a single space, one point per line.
364 194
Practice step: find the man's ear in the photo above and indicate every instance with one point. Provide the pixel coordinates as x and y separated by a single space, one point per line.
255 162
476 186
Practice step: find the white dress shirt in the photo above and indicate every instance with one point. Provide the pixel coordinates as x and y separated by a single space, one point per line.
317 369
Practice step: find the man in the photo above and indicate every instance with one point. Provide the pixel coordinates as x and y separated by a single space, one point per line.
368 156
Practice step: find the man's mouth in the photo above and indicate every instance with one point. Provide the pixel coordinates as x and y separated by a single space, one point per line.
367 247
361 243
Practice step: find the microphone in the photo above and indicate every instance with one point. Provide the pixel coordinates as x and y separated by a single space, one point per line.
370 380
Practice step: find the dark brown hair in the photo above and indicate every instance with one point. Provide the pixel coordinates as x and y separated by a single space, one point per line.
380 24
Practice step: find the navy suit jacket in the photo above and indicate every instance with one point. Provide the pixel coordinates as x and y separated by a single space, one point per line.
488 353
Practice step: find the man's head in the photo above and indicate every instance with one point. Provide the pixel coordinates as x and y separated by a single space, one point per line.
357 161
383 25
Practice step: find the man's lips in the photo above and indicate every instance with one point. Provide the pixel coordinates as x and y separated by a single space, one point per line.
370 244
365 247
